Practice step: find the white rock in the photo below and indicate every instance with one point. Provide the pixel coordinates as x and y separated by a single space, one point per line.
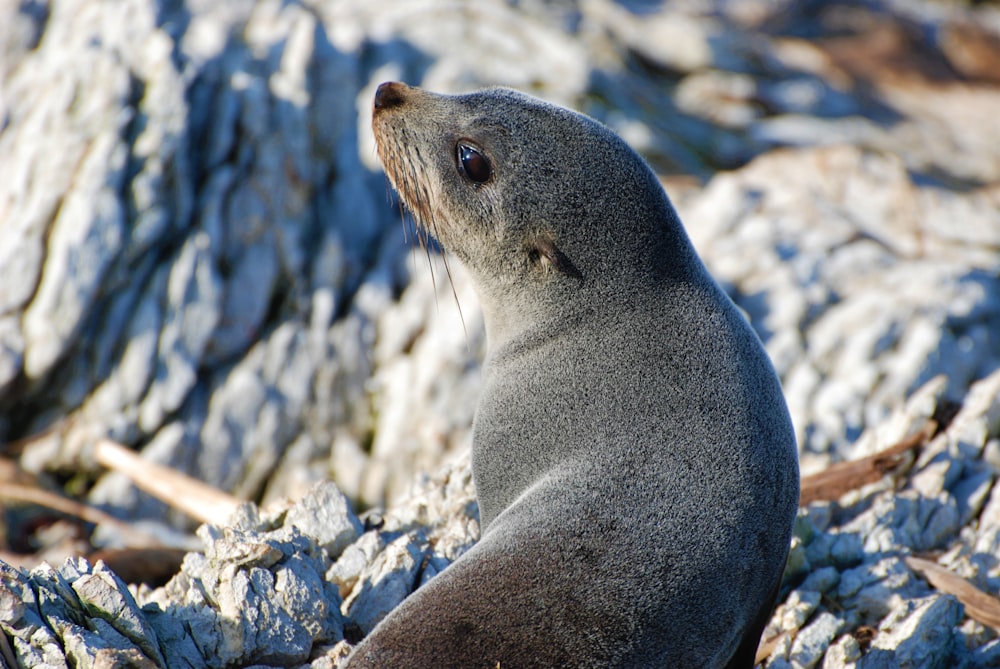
812 641
921 638
384 584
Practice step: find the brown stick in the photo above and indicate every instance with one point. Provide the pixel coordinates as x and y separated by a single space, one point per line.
16 492
768 646
979 605
180 491
842 477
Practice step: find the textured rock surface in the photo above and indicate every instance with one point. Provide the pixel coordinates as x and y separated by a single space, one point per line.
257 595
269 592
198 259
863 284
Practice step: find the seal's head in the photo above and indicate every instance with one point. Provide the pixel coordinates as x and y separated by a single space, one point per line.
534 199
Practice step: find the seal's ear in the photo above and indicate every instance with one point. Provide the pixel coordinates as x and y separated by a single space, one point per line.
545 251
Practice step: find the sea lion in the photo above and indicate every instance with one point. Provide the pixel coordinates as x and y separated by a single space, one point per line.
633 456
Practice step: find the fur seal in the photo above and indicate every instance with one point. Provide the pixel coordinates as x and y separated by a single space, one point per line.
634 459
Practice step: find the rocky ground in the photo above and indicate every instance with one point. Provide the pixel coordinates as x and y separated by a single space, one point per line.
200 259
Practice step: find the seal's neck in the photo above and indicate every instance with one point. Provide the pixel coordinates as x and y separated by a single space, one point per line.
612 289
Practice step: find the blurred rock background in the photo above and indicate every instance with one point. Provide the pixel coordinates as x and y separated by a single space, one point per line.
200 257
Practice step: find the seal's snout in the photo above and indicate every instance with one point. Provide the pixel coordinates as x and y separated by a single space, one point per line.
390 94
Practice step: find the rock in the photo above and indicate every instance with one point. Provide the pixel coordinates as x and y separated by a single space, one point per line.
812 640
971 493
396 559
385 583
33 641
346 571
265 592
874 589
257 595
987 655
844 652
907 519
919 639
821 580
837 382
199 259
90 619
797 608
200 292
675 41
332 657
326 515
105 598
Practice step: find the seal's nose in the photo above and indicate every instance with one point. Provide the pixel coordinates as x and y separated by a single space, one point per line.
390 94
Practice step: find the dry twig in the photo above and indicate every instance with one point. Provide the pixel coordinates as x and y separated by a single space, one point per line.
842 477
188 495
979 606
767 647
26 494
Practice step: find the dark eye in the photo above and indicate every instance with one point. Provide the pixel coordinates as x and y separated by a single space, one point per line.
473 164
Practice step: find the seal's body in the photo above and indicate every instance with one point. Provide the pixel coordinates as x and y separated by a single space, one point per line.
633 456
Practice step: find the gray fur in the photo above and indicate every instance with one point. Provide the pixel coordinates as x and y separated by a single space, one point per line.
634 459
